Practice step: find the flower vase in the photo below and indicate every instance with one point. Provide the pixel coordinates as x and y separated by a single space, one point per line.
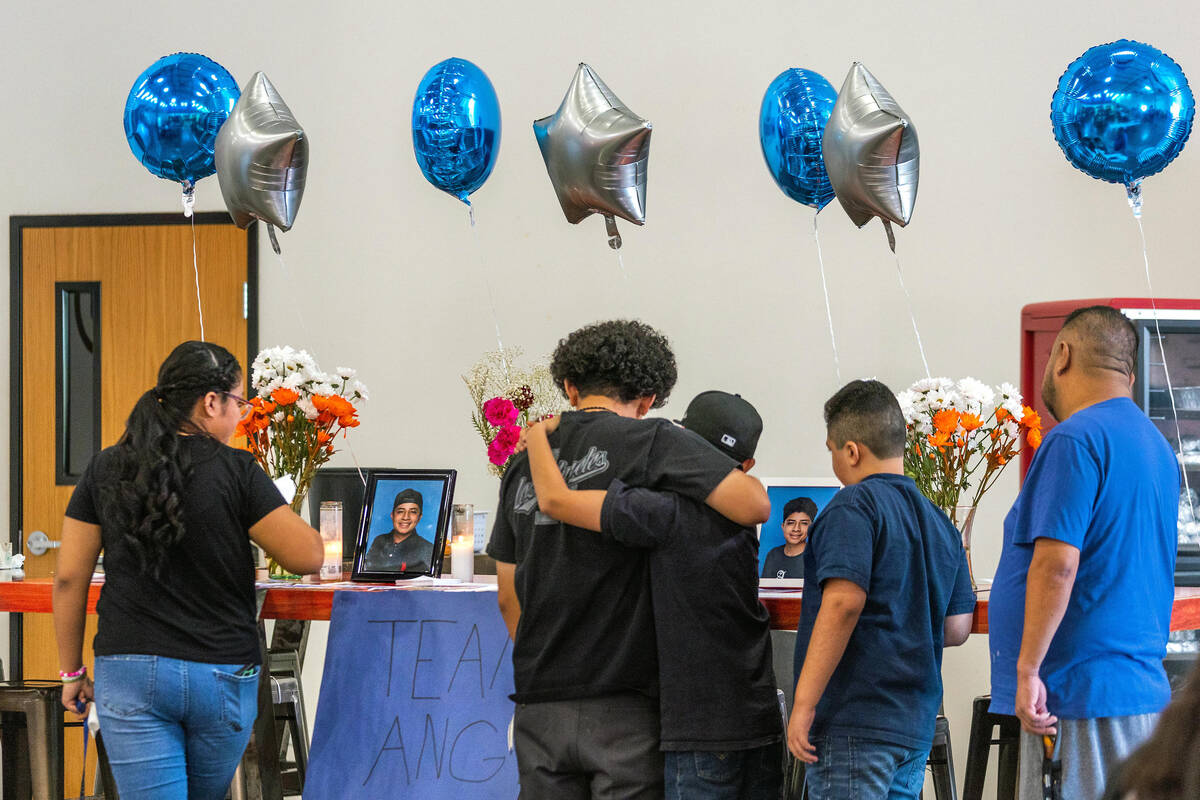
275 570
963 518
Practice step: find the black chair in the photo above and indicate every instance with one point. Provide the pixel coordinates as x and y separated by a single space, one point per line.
984 725
941 762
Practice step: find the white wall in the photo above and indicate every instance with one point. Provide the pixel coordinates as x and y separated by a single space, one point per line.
385 271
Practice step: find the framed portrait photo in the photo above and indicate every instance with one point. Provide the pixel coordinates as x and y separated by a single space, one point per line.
405 518
795 504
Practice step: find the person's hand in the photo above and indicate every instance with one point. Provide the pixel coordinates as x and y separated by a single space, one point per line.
797 734
1031 705
548 425
76 696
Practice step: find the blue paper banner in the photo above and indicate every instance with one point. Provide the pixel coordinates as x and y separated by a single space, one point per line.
414 699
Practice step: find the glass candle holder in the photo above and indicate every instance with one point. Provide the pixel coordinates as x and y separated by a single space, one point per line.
462 543
331 537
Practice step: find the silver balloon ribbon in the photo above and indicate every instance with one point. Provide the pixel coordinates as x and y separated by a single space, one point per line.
196 272
837 366
908 301
488 283
1162 353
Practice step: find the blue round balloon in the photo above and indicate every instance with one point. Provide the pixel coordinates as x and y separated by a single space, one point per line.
1122 111
792 120
456 127
173 113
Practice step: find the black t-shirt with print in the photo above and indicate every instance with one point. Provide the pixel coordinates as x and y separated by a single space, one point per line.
587 626
202 607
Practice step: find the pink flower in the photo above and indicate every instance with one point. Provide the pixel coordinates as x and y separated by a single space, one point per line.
507 437
500 412
497 455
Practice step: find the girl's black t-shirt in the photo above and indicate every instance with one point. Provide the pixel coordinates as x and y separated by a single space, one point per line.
202 605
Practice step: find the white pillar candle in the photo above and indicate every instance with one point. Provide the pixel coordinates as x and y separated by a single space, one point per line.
331 538
462 559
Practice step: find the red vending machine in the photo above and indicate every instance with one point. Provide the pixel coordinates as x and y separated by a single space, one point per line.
1179 325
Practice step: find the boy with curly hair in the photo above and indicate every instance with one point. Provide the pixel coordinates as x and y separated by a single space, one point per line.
578 605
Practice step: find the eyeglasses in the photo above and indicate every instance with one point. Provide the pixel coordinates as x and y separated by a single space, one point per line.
243 402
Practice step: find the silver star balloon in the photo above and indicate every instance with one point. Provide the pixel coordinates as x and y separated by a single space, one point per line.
596 151
871 153
262 159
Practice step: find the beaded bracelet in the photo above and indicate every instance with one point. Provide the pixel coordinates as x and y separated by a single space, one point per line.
71 677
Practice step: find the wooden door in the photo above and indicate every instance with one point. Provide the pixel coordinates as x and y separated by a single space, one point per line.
140 270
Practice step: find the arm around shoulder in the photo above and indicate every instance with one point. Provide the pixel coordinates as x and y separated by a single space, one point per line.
510 606
289 540
741 499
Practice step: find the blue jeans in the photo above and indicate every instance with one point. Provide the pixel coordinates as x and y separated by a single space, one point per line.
849 768
731 775
173 730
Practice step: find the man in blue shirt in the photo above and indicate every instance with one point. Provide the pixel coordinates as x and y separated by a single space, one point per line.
886 587
1081 603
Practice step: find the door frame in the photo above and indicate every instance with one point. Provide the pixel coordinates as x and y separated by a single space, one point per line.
16 225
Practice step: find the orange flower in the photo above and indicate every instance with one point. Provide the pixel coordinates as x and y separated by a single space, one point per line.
939 439
284 396
291 418
1001 414
1031 419
1034 437
971 422
946 420
323 437
348 421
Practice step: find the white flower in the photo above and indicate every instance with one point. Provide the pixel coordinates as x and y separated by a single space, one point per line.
908 407
294 380
360 391
278 416
939 399
346 373
975 394
306 405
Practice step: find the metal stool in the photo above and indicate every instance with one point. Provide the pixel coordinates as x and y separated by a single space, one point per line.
941 762
287 698
31 739
983 724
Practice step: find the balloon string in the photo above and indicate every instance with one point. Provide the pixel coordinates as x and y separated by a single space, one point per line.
357 466
621 262
488 283
1162 353
837 366
196 271
912 315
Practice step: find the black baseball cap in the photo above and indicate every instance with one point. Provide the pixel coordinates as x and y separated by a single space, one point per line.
409 496
727 421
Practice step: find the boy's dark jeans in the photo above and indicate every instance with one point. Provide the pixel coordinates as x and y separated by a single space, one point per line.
850 768
730 775
604 748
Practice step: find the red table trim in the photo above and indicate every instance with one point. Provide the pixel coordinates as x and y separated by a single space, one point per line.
288 601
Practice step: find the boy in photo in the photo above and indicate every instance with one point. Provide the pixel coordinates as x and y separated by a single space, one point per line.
787 560
887 588
720 716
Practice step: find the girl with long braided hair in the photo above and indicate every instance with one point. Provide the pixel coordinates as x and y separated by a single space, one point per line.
174 509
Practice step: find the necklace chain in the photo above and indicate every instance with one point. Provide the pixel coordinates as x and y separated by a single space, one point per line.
594 408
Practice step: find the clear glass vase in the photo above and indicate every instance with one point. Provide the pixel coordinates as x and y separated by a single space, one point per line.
275 570
963 518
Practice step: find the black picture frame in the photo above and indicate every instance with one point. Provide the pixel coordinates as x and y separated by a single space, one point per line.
382 487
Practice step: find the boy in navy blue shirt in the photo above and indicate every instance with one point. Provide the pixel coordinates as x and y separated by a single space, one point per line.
887 587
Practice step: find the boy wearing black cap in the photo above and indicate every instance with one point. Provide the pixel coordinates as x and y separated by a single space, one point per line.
720 719
578 605
787 560
402 548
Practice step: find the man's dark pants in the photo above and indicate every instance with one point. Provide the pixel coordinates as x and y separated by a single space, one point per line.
599 748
